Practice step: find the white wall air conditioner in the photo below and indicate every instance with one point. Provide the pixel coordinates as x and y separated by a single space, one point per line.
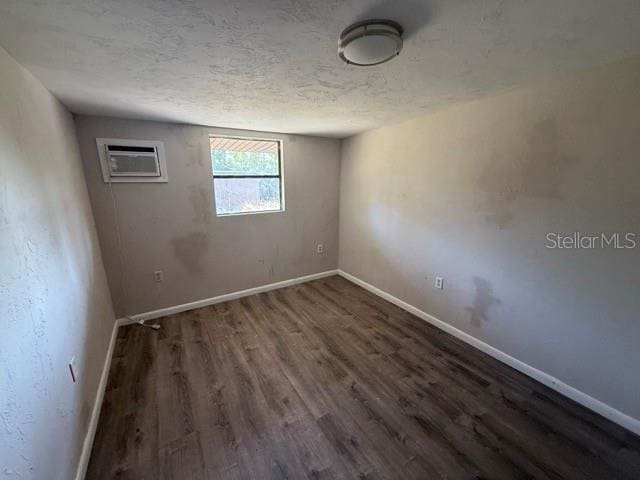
132 161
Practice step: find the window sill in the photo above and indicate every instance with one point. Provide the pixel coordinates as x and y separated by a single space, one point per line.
242 214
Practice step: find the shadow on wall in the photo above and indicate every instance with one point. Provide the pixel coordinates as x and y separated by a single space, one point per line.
190 250
412 15
201 199
482 302
538 172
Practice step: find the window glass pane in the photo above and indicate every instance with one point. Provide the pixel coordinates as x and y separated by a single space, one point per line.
232 156
239 195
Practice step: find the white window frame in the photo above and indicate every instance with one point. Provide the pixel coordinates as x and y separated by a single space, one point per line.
280 176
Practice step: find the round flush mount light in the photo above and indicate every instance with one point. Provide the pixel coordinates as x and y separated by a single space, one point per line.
370 42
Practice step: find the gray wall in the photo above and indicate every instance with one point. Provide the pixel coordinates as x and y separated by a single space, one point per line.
470 193
54 299
173 227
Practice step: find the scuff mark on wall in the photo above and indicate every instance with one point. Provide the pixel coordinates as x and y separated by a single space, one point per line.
190 250
482 302
201 199
539 172
269 266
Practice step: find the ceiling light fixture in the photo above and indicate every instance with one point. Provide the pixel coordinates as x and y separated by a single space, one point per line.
370 42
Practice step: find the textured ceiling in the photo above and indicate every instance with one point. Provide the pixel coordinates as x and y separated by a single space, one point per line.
272 64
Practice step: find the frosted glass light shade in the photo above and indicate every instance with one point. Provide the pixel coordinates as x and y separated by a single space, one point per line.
370 42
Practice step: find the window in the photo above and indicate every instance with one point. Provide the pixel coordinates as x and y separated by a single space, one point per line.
247 175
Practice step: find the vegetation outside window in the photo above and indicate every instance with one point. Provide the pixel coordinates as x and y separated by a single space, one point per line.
247 175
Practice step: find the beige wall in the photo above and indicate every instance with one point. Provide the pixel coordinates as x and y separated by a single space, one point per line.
173 227
54 299
470 193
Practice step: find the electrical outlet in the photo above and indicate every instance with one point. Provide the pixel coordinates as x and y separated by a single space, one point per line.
439 283
73 369
320 248
157 276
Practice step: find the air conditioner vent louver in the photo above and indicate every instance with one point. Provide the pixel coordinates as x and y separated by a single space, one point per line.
132 161
130 148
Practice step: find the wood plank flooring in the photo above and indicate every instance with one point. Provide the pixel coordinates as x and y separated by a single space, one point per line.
324 380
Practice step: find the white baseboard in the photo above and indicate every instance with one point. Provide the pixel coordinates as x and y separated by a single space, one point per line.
95 414
574 394
163 312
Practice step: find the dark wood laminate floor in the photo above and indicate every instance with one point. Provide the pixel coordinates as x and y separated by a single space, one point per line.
324 381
